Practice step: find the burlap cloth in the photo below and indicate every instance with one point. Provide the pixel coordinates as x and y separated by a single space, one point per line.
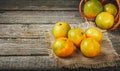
106 58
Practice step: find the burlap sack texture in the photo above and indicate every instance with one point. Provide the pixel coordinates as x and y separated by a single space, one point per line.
107 57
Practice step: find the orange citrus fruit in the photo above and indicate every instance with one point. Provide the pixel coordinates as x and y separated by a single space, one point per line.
92 8
93 33
76 36
60 29
104 20
63 47
111 8
90 47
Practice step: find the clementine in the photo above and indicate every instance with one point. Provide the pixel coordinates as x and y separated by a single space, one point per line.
63 47
93 33
92 8
76 36
90 47
60 29
111 8
104 20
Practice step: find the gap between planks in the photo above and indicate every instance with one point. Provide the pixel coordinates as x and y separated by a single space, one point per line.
23 47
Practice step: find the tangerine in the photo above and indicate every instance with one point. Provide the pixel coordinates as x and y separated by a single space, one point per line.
92 8
90 47
93 33
111 8
104 20
63 47
60 29
76 36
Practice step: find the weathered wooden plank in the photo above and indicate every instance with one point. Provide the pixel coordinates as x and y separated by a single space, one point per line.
39 4
23 52
34 31
114 37
23 40
27 62
39 17
18 39
24 47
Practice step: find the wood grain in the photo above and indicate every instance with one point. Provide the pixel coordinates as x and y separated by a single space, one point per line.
27 62
27 40
39 4
33 31
23 47
37 17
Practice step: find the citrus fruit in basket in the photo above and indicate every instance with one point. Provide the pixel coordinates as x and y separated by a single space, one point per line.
92 8
104 20
93 33
90 47
76 36
63 47
111 8
60 29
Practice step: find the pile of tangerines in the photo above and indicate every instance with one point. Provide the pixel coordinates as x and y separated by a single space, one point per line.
104 15
88 40
67 39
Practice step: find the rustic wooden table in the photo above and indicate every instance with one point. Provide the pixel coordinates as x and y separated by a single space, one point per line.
23 25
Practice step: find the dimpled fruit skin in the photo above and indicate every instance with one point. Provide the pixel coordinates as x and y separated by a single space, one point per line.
104 20
92 8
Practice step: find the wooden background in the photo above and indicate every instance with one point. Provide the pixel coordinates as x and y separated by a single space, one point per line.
23 25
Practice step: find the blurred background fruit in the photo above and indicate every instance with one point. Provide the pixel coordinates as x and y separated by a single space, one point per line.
111 8
104 20
92 8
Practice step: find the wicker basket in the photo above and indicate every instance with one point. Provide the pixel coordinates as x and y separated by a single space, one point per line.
117 17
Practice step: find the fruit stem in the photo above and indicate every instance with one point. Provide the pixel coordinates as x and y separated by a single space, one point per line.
60 24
